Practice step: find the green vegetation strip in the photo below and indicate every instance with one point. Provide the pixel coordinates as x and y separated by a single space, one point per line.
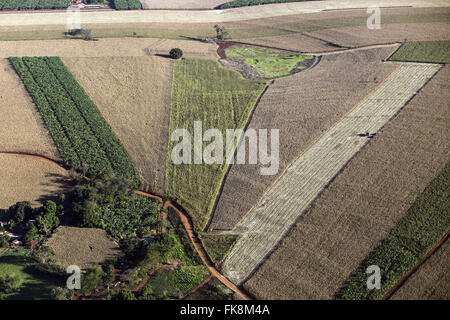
81 134
203 90
217 245
429 51
424 225
245 3
33 4
270 63
126 4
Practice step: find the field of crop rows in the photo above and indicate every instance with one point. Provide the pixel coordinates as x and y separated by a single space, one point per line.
33 4
267 223
81 134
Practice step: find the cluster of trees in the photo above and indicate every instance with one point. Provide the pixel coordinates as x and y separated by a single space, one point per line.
33 4
86 34
83 137
35 222
221 33
109 204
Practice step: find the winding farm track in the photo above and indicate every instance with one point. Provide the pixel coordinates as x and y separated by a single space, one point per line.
185 219
267 223
208 16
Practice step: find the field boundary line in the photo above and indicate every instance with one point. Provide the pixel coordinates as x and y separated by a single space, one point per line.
308 148
402 281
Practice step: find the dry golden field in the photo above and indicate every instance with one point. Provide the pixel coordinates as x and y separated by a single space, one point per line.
111 47
360 207
182 4
21 127
430 281
303 107
28 179
83 247
133 94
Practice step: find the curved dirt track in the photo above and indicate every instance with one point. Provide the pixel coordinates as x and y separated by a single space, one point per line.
185 219
208 16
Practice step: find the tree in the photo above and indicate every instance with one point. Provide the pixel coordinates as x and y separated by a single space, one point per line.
92 279
125 294
4 241
221 33
9 283
176 53
20 211
47 219
43 254
86 34
31 234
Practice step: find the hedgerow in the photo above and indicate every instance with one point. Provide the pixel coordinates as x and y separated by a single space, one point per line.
82 135
33 4
127 4
425 224
244 3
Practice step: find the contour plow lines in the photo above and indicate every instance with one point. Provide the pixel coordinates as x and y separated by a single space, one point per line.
267 223
187 223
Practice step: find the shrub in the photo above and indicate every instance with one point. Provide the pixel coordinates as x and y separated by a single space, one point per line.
176 53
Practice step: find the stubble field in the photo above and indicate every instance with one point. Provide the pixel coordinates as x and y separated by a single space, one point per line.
133 94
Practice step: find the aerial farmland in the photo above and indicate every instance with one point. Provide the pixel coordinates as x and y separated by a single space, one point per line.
237 150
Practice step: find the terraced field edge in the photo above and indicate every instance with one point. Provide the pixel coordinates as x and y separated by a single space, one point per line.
425 223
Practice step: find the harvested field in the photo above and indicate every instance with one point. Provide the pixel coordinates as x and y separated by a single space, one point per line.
364 202
28 179
306 177
83 247
126 47
430 281
399 32
133 94
21 127
181 4
302 106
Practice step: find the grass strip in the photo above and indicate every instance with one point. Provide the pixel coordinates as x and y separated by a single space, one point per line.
428 51
424 224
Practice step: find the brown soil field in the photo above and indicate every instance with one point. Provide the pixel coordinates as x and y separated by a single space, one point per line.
21 127
83 247
133 94
430 281
303 107
399 32
28 179
248 28
182 4
296 42
360 207
124 47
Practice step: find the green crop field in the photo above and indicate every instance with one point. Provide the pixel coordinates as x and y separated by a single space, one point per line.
242 52
126 4
244 3
424 225
429 51
33 4
205 91
34 284
83 137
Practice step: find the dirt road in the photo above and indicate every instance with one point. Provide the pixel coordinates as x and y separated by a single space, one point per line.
206 16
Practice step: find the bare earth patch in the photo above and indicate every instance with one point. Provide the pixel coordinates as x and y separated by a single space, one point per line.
430 281
83 247
399 32
123 47
360 207
21 127
303 107
133 94
29 179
